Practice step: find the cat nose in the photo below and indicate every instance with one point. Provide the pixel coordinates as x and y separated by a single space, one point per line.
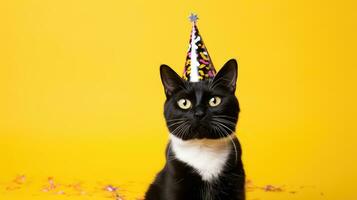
199 114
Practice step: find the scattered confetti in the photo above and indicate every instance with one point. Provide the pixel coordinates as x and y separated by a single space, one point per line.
114 192
16 183
51 185
12 187
110 188
77 188
267 188
21 179
271 188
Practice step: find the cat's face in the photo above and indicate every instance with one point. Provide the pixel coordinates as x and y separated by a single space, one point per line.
206 109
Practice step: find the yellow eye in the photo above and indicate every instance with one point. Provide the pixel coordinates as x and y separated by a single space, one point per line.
214 101
184 104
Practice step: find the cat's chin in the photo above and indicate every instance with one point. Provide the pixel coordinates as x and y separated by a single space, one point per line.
206 136
202 136
204 140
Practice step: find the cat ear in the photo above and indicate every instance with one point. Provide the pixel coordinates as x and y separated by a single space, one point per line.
170 79
227 76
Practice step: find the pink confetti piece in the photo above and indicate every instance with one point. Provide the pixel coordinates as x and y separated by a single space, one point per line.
110 188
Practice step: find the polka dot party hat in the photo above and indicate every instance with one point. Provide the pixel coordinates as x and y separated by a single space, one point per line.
198 66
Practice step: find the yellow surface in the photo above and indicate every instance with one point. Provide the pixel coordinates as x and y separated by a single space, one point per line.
81 99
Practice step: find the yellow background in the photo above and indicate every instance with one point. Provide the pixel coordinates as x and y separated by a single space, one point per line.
81 98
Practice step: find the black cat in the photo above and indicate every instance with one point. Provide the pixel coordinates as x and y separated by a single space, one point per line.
203 154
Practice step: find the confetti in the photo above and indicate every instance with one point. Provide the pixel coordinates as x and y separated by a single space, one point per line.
110 188
114 191
21 179
111 191
271 188
61 192
51 185
16 183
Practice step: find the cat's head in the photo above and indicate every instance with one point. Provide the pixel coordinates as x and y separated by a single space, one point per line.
205 109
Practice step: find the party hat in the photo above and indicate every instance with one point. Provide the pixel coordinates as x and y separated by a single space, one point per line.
198 66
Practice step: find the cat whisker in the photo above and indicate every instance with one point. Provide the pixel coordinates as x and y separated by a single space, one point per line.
178 127
231 122
221 126
219 132
230 129
180 130
223 119
186 131
227 127
174 123
234 146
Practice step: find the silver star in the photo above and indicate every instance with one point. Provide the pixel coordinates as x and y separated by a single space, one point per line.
193 17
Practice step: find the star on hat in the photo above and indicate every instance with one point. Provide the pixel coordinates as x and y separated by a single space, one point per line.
198 66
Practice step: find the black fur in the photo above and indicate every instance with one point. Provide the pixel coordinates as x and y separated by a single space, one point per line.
178 181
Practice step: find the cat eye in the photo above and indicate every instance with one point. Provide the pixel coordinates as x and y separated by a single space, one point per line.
214 101
184 104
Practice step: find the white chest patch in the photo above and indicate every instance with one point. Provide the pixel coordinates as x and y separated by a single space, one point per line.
206 156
